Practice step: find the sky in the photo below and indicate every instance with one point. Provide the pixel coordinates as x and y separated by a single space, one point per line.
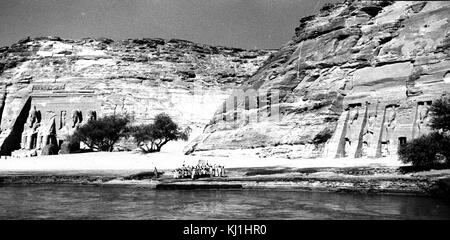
250 24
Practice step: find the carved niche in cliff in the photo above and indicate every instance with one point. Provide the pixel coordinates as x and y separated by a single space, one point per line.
422 118
42 131
352 129
53 118
378 129
389 127
369 130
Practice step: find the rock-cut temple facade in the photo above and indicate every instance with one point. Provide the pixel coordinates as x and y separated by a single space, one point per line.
46 117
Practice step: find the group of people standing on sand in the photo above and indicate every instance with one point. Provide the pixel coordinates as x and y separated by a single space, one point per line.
201 170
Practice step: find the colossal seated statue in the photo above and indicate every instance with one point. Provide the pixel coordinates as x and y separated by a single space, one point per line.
71 126
29 134
47 131
77 118
40 132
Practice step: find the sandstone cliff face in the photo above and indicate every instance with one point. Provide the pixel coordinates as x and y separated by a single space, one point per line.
356 80
139 77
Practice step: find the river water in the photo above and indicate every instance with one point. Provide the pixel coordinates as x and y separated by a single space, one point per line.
112 202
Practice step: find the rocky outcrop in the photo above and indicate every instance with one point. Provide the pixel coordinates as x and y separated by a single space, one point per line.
356 80
61 78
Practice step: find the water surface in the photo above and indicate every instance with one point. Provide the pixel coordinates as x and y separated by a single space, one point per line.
107 202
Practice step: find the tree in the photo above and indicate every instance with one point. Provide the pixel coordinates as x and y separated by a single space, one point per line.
102 134
427 151
151 137
440 114
431 150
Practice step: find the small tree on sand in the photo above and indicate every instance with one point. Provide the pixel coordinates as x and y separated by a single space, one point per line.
103 133
426 152
440 114
431 150
151 137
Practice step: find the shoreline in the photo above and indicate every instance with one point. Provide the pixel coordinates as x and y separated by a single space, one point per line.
432 186
127 169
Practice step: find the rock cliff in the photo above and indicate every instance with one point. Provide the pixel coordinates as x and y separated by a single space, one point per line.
356 80
141 77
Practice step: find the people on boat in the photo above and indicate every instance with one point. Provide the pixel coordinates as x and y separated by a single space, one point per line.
199 171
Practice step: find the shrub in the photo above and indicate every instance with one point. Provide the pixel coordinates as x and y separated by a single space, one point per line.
432 150
426 152
151 137
440 114
103 133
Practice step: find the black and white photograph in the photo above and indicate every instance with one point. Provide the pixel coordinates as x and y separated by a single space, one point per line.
224 110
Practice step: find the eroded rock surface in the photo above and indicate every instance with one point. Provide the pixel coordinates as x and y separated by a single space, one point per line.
356 80
138 77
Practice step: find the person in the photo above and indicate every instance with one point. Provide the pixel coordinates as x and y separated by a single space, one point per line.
155 172
185 172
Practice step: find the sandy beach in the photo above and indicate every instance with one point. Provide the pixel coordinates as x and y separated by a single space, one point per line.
136 162
244 170
362 175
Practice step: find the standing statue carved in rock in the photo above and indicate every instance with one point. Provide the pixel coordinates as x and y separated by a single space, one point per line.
354 114
389 128
422 120
351 128
368 131
391 122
